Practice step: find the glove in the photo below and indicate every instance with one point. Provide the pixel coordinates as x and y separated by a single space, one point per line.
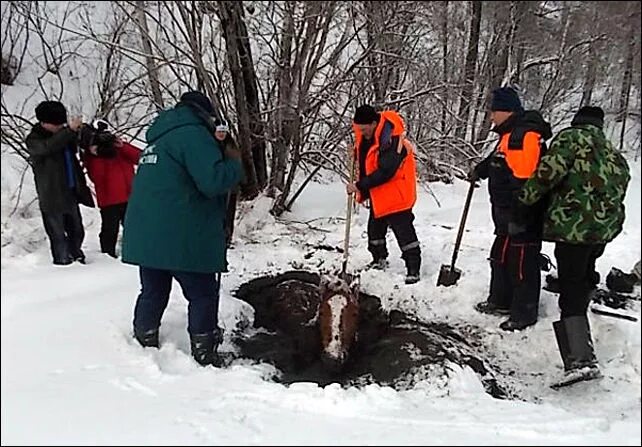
515 228
473 175
232 153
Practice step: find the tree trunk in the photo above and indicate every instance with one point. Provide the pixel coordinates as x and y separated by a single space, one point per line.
251 132
497 71
444 57
589 80
283 114
591 69
150 64
469 69
517 48
625 93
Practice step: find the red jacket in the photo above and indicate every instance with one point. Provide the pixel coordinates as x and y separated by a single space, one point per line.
112 177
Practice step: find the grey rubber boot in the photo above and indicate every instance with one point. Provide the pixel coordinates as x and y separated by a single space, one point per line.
574 341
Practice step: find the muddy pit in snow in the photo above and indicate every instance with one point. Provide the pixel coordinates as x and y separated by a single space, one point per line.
391 349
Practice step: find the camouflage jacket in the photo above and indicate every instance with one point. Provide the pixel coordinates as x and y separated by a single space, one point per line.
587 180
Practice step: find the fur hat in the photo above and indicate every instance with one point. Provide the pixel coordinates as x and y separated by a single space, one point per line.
365 114
51 112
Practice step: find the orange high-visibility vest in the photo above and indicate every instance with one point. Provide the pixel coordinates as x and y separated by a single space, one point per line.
400 192
522 162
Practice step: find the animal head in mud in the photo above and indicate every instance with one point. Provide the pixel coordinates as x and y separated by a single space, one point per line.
338 321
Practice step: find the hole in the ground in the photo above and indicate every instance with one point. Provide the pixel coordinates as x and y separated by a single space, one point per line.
390 349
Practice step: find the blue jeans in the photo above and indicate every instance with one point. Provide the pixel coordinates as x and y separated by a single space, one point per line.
200 289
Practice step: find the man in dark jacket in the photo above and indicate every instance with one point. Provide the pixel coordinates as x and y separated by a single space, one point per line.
60 181
586 180
174 225
515 254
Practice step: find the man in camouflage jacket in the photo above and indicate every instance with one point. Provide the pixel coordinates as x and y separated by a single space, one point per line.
586 180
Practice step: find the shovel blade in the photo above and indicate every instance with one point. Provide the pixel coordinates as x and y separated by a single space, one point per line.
448 276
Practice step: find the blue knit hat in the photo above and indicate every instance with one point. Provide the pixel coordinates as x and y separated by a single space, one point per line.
505 99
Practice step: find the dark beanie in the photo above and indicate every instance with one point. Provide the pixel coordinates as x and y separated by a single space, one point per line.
199 99
51 112
589 115
505 99
365 114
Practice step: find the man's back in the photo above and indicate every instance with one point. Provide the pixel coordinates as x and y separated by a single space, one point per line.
176 211
588 180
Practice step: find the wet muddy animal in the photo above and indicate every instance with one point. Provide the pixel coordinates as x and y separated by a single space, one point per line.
338 321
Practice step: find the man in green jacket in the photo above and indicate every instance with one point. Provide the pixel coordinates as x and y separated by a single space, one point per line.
174 225
586 179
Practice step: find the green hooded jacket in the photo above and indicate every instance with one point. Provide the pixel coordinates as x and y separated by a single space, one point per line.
175 214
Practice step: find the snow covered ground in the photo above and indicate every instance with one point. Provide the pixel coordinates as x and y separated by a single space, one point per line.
72 374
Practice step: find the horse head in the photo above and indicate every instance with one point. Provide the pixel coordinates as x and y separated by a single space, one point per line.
338 321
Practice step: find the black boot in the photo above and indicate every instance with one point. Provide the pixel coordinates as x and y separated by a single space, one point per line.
412 258
378 264
147 339
204 347
573 336
488 307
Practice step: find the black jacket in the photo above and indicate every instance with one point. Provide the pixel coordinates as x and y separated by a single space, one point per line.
47 159
503 186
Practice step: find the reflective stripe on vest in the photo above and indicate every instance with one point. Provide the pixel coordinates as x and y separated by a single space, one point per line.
400 192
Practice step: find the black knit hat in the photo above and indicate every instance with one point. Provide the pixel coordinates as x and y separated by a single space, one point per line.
589 115
365 114
51 112
199 99
505 99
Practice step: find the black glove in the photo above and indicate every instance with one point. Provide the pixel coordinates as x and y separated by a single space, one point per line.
481 170
473 175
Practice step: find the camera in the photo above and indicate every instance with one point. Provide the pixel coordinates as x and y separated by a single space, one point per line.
96 134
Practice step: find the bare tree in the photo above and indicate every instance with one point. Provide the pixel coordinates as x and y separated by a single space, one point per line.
241 65
469 69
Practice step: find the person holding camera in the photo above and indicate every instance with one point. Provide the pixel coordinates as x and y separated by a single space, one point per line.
110 164
60 181
227 142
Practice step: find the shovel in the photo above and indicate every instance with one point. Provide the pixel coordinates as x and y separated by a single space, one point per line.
344 280
448 274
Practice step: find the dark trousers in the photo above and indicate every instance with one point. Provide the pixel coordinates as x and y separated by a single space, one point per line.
594 275
111 218
575 269
200 289
515 277
404 231
66 234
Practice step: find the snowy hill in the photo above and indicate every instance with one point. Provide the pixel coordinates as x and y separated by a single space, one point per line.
71 373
